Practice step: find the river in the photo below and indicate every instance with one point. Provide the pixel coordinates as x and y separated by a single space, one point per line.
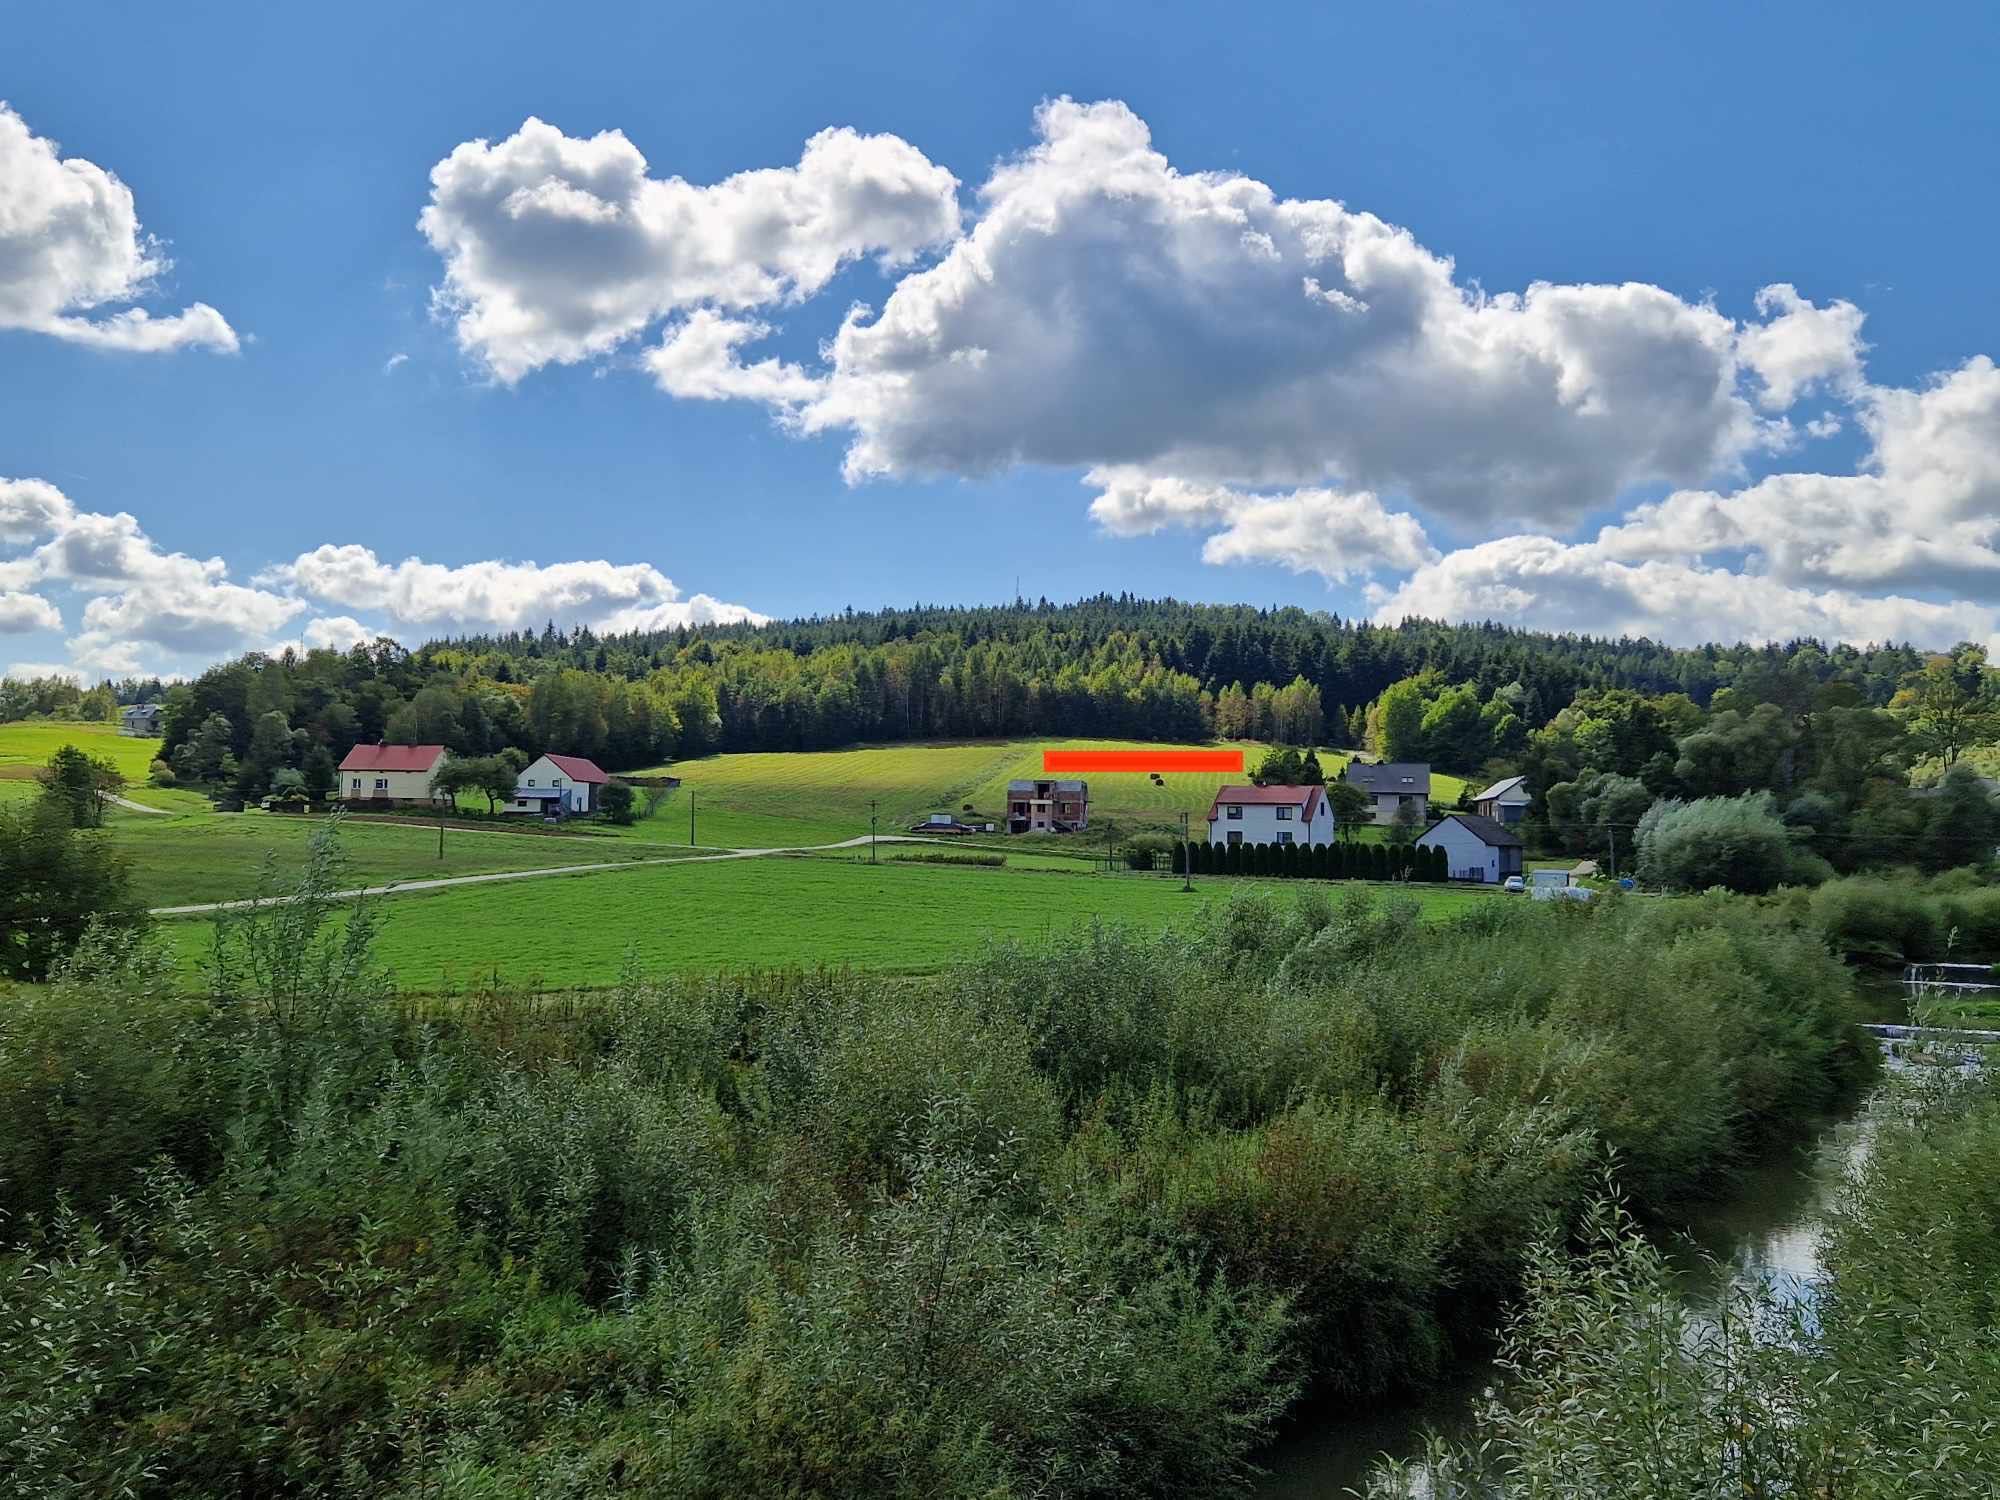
1767 1228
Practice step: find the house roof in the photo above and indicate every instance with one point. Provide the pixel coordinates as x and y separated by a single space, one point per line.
1501 788
392 757
1054 786
1390 776
1266 796
576 768
1495 834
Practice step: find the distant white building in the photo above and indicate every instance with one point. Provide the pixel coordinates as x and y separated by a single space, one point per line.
1392 786
1270 815
1504 801
390 775
558 786
1475 848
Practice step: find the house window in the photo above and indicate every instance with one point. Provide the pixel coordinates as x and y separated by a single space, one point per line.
531 781
1284 815
357 783
1234 810
1235 838
1405 801
381 783
1284 838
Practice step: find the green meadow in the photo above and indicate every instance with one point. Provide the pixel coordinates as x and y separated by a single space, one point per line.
814 797
184 860
773 911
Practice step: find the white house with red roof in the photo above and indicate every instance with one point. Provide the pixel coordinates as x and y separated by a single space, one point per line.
558 786
390 775
1270 815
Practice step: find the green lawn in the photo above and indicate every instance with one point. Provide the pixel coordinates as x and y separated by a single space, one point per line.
772 911
179 861
776 799
25 746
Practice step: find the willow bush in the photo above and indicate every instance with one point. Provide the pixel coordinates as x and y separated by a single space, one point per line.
1082 1219
1881 1382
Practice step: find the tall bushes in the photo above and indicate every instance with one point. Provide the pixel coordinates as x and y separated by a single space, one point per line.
1079 1219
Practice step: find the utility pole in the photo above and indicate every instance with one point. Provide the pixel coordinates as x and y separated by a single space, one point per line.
690 817
1187 860
440 808
1614 853
871 830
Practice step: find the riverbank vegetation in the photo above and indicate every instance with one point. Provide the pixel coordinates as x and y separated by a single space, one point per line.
1879 1382
1082 1217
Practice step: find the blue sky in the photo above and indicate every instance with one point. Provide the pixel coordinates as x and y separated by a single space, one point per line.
1237 450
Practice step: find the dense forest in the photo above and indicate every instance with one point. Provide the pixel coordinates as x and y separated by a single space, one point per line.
1109 665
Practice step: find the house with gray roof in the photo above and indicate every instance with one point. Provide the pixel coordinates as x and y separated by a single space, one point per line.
1392 786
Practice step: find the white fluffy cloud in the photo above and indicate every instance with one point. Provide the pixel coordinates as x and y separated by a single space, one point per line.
1546 584
498 595
1801 348
1108 309
1925 511
557 248
1301 382
1335 534
145 608
70 243
23 612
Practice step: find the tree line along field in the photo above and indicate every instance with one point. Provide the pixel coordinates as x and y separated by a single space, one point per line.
765 912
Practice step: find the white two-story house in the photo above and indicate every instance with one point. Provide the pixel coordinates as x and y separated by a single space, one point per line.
558 786
1270 815
390 775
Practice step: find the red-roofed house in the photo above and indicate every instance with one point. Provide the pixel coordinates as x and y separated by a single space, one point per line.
394 775
558 786
1270 815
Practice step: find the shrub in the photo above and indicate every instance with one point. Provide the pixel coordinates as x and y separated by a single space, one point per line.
159 773
1734 842
1144 851
979 857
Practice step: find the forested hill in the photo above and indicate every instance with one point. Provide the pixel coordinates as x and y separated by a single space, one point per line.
1349 662
1110 665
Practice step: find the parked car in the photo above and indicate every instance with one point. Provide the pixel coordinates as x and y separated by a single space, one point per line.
1514 883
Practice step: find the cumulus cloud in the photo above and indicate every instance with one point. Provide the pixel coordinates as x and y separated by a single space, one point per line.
1924 511
558 248
145 606
1302 382
496 595
1801 348
23 612
70 243
1108 309
1546 584
697 361
1335 534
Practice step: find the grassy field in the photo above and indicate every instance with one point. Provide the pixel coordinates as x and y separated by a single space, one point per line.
756 913
25 747
179 861
765 800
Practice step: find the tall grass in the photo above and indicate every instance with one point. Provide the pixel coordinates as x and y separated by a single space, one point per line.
1076 1220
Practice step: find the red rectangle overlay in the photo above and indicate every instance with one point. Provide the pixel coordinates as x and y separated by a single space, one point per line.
1054 761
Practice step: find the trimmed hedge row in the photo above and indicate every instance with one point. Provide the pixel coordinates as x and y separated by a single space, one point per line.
1336 861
